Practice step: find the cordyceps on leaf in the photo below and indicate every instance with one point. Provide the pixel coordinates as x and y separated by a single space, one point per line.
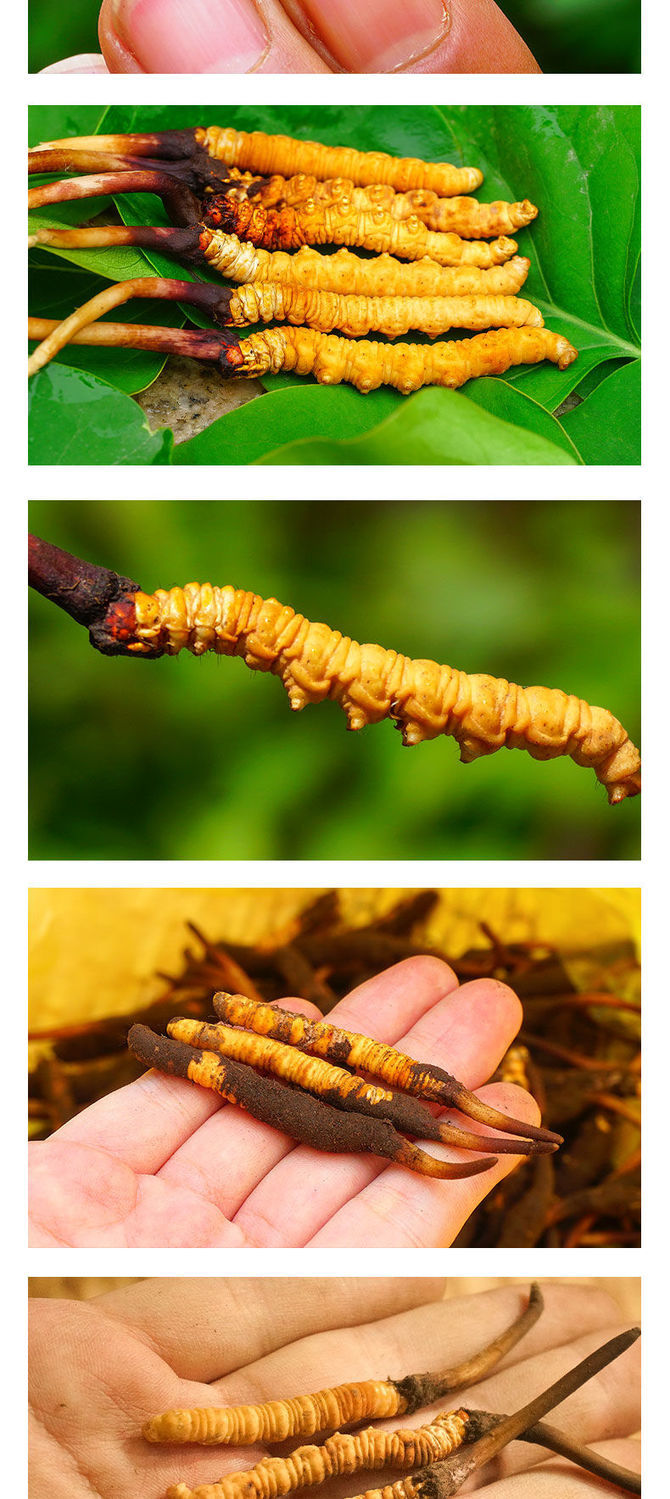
265 154
464 271
274 1421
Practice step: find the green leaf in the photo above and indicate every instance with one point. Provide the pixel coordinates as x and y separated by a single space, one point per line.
76 418
581 165
55 290
435 426
606 427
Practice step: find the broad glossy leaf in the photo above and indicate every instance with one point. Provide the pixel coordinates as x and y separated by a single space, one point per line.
435 426
606 426
579 164
76 418
55 290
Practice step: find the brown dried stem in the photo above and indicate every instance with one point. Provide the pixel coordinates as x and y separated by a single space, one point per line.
444 1479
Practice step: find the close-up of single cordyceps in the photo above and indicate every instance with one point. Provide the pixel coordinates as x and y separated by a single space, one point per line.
241 204
313 662
446 1451
578 1050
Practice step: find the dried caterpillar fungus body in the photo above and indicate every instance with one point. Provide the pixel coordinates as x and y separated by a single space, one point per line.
339 1455
336 1086
321 1038
340 224
276 1420
392 316
267 154
352 275
342 1405
303 1118
313 662
406 367
465 216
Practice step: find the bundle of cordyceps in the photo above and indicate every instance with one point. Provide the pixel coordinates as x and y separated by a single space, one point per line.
443 1453
241 204
578 1052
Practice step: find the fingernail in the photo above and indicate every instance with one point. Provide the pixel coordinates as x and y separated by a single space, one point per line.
375 36
192 36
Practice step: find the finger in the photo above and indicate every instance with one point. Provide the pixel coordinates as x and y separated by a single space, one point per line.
87 62
426 36
82 1197
468 1030
203 36
207 1328
228 1158
557 1479
142 1123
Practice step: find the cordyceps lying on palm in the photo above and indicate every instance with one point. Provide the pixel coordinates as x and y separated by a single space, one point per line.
242 204
318 1102
453 1445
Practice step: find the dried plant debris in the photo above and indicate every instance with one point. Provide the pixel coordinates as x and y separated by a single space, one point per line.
587 1194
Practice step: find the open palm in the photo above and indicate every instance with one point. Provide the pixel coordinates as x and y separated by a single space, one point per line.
176 1343
163 1163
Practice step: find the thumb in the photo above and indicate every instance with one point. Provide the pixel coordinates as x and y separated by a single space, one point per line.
86 62
310 36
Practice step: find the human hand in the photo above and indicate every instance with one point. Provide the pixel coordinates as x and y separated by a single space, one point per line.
305 36
164 1344
163 1163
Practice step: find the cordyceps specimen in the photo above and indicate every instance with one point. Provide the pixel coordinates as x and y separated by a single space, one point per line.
483 714
454 1445
305 1119
229 220
342 1405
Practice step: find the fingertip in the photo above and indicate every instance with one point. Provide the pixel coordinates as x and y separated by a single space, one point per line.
85 62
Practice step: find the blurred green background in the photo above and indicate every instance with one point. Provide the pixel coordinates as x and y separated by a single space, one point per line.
187 758
566 36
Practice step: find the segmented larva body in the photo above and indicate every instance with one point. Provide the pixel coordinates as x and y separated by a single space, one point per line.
266 154
313 662
340 1455
340 224
316 1075
350 274
465 216
392 316
405 366
275 1420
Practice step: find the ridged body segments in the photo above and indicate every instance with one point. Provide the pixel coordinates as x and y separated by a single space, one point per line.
266 154
313 662
275 1420
314 1074
342 1454
352 275
465 216
392 316
404 366
341 224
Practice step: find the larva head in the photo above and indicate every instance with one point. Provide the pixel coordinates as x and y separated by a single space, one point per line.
242 219
117 634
